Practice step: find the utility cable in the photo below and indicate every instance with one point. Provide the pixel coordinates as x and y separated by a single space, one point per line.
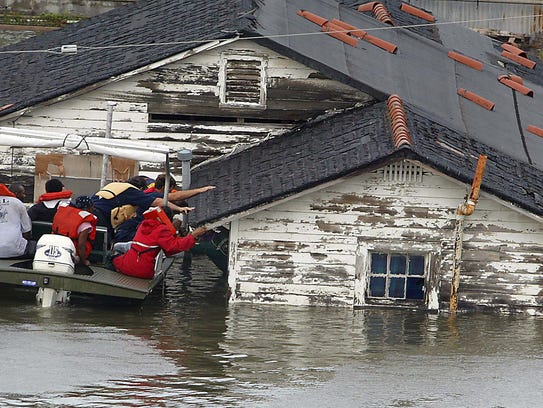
56 50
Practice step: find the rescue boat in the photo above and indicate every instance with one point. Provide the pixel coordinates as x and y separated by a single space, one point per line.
53 273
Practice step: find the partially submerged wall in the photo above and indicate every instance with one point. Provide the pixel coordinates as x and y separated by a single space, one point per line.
316 249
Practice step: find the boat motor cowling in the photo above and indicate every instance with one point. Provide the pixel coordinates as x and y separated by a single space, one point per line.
54 253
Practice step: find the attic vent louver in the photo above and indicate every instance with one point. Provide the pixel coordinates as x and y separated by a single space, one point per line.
403 172
242 81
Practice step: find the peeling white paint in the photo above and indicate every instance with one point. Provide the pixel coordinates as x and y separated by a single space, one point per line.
343 221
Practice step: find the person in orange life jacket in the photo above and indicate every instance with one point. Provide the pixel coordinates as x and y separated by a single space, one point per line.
78 223
117 194
151 236
15 227
46 207
127 230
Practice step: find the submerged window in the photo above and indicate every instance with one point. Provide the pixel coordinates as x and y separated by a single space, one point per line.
396 276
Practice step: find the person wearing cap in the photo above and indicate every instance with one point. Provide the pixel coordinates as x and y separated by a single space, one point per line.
15 226
47 204
77 222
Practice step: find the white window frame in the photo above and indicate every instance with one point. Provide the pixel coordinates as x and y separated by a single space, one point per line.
222 81
432 257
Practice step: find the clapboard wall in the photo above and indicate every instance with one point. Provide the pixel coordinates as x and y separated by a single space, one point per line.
313 249
179 104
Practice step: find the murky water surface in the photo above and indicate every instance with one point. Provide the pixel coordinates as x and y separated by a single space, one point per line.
189 348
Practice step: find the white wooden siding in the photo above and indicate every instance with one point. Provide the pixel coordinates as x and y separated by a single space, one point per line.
312 249
189 89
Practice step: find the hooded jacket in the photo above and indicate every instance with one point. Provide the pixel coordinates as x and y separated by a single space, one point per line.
150 238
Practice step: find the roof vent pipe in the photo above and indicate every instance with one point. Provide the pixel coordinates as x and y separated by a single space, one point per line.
185 156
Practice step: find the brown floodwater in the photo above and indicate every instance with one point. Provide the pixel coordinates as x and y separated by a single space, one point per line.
189 348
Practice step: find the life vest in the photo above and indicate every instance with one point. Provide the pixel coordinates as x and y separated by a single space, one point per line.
112 190
68 219
122 213
59 195
4 191
158 214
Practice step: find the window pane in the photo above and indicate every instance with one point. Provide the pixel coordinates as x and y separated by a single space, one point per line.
416 265
377 286
396 288
397 264
415 288
379 263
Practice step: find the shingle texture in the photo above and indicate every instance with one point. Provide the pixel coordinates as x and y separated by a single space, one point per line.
346 143
322 150
32 77
448 131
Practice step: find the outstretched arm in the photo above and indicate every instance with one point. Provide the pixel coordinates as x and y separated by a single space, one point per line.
159 202
185 194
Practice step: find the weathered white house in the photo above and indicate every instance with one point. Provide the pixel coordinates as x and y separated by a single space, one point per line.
342 137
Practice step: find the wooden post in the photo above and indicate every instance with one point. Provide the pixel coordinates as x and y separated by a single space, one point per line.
466 208
105 157
458 236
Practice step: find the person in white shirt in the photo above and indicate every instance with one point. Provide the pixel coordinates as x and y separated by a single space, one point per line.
15 227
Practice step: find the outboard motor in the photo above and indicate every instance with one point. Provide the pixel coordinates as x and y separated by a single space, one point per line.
54 253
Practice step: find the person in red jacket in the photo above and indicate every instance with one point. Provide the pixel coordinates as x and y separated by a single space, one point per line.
151 236
78 223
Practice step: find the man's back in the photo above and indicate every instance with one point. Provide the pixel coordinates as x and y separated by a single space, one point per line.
14 221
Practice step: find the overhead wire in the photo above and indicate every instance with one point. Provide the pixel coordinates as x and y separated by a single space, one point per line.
56 50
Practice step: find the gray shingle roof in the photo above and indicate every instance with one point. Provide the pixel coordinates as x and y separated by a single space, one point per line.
420 72
350 142
33 77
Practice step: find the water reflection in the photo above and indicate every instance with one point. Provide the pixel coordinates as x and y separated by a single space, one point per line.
190 348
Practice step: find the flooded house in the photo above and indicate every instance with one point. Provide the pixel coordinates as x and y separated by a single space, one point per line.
364 156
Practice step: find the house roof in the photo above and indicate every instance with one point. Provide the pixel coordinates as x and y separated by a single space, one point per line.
109 45
358 140
461 90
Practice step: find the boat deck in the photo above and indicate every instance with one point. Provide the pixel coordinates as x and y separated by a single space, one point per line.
95 280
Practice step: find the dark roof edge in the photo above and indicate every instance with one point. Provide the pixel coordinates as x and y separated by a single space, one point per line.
403 153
